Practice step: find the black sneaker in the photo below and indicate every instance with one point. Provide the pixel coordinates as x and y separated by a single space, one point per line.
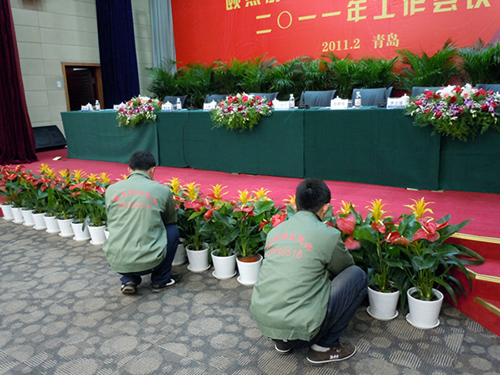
282 347
343 351
174 280
129 288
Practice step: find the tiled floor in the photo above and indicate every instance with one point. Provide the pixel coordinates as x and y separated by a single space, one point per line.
61 312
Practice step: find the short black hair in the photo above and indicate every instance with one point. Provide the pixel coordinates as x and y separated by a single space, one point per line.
142 161
312 194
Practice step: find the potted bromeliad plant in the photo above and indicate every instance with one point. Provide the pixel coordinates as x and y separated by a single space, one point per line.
430 260
251 214
367 240
220 227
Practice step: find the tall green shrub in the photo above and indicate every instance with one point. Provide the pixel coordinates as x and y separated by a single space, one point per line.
424 70
481 62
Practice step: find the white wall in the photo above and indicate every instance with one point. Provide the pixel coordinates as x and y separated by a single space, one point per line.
50 32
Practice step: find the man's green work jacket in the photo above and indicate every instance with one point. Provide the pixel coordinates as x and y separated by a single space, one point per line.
138 209
290 297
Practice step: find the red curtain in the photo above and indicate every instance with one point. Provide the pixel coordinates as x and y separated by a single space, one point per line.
17 142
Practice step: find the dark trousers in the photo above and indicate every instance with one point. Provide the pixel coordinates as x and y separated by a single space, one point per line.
347 291
161 274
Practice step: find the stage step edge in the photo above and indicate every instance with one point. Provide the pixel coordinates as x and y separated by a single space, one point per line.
488 305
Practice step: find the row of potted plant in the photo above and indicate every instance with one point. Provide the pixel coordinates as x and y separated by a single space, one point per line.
397 252
449 65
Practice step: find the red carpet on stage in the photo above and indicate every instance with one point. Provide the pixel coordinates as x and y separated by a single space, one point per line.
482 208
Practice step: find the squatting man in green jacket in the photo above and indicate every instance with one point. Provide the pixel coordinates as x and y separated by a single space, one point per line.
143 235
308 287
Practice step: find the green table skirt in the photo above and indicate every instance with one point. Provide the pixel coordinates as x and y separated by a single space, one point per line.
97 136
369 145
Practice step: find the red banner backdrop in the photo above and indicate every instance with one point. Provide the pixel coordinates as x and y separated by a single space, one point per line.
206 31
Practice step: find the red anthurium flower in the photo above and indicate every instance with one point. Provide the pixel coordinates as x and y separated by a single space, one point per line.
396 239
351 243
329 223
481 92
428 231
75 194
379 226
428 94
194 205
245 99
418 102
278 219
208 215
347 224
263 224
436 96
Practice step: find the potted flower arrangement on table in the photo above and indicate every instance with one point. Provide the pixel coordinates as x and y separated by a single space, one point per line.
462 112
138 110
241 111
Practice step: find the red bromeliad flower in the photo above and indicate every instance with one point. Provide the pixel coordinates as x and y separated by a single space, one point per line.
347 224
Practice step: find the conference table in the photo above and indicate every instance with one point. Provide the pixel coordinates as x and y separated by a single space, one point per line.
368 145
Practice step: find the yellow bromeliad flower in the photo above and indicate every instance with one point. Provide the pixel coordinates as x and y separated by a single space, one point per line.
346 207
376 210
104 178
192 191
64 174
419 208
92 178
290 200
261 194
175 186
78 174
243 197
44 167
124 177
216 193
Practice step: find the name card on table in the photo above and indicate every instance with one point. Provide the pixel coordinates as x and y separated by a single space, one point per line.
401 102
166 106
209 106
338 103
281 105
87 108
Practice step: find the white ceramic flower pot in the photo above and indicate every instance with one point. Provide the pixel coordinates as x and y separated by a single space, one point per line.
180 254
224 267
106 233
39 221
249 271
382 305
51 224
81 234
198 259
18 216
424 314
97 235
65 228
7 212
27 217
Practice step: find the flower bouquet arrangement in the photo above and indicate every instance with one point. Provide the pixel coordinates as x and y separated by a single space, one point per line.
241 111
138 110
461 112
